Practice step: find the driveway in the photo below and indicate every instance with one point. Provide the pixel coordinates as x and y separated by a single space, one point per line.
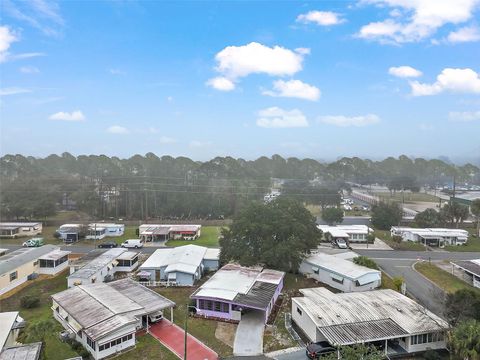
249 335
172 337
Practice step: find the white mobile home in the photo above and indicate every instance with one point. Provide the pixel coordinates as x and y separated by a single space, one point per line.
339 273
350 233
102 230
21 265
471 271
100 266
104 317
438 237
19 229
182 265
380 316
155 232
70 233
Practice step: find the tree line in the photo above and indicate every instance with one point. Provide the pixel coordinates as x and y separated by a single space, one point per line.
143 187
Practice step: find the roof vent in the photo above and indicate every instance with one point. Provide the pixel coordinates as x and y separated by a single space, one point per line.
399 310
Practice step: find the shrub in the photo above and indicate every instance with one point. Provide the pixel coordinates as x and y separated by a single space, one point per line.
397 282
365 261
29 301
397 239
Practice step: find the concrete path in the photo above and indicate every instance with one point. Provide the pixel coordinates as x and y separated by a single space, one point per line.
377 245
249 335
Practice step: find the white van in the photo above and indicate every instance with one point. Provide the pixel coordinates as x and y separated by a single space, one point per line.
132 243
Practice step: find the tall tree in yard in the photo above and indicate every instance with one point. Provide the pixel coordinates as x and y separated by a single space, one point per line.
454 213
278 235
332 215
428 218
465 340
386 215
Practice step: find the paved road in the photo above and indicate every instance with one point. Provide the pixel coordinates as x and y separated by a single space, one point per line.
81 249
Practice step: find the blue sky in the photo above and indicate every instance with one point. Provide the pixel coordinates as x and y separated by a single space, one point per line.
321 79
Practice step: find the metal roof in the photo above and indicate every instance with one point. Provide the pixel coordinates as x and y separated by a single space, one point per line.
128 255
22 352
7 319
234 282
55 255
98 263
164 229
183 258
17 258
327 309
345 230
19 224
104 307
340 266
470 196
471 266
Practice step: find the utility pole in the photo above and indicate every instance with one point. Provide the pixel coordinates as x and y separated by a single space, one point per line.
186 333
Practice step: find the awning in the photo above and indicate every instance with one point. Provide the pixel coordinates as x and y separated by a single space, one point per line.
144 274
315 268
337 277
368 278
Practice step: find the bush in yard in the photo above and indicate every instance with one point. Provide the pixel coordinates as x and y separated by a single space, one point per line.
332 215
397 239
370 238
386 215
365 261
29 301
397 282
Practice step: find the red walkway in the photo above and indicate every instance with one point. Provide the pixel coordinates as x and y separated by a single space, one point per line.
172 337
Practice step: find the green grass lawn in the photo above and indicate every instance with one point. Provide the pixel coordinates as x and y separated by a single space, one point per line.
209 238
404 245
54 348
443 279
407 196
473 244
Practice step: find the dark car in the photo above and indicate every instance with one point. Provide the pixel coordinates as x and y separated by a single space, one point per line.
108 244
318 349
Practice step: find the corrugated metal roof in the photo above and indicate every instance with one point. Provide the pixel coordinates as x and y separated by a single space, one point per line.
128 255
345 230
328 309
22 352
348 334
18 224
259 295
103 307
97 263
337 265
16 258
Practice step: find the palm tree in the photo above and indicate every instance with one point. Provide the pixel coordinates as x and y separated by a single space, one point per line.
465 340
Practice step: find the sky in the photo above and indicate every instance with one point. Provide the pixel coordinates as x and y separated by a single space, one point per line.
317 79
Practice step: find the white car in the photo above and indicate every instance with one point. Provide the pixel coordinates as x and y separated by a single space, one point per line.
132 243
342 244
156 317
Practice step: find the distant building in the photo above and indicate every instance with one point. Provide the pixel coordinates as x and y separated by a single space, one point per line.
163 233
438 237
235 289
104 317
466 198
338 272
10 348
70 233
182 265
19 229
23 264
102 230
101 265
349 233
471 271
381 317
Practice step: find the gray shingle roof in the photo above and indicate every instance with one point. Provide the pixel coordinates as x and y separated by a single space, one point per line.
16 258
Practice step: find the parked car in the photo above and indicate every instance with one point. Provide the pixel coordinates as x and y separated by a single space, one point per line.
108 245
34 242
342 244
318 349
156 317
132 243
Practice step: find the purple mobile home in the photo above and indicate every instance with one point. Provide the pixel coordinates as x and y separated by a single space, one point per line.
234 290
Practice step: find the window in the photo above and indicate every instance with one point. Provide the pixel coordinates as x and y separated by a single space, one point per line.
299 311
426 338
91 343
315 270
337 279
13 275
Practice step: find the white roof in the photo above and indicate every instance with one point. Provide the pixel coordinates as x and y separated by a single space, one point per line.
105 225
212 254
98 263
329 310
344 230
127 255
339 266
55 255
441 232
7 319
233 279
183 258
19 224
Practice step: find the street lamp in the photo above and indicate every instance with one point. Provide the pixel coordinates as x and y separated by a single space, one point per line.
186 326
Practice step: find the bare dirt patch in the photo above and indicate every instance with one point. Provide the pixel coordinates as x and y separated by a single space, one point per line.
225 332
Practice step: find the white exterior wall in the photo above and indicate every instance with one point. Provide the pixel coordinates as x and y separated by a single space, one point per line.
54 270
13 284
424 347
99 277
304 322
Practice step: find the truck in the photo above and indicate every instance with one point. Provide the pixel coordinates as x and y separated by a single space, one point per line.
33 242
132 243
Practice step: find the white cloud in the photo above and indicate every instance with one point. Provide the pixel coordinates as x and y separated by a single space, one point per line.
13 91
29 70
76 115
294 89
275 117
235 62
7 37
464 116
114 71
170 99
221 83
404 71
322 18
345 121
465 34
199 144
167 140
454 80
116 129
422 19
